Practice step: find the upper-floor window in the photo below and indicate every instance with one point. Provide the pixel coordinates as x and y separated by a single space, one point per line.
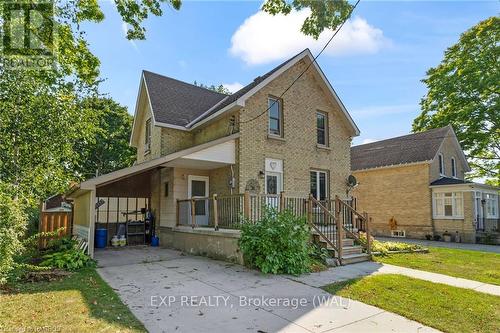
441 164
448 205
321 128
453 167
491 205
275 116
147 136
319 184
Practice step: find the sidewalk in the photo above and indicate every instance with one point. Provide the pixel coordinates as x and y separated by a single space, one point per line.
342 273
450 245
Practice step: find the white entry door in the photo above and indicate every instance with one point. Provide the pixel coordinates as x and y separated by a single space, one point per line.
198 188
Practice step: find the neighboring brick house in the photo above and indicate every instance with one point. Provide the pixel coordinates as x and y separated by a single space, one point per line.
413 186
193 142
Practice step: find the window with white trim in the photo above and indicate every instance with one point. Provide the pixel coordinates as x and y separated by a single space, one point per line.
453 168
448 205
319 184
441 164
322 129
275 116
491 205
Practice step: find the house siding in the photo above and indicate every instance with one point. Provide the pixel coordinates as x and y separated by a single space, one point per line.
298 148
400 192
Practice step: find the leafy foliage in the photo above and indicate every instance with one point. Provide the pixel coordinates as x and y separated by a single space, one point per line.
384 248
109 150
463 91
12 227
325 14
277 244
71 260
220 88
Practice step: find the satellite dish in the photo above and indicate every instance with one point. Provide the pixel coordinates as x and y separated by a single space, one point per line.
351 181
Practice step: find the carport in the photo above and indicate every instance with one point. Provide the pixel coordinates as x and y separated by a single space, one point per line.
123 196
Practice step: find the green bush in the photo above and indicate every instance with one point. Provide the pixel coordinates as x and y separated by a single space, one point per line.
277 244
12 227
70 260
383 248
61 244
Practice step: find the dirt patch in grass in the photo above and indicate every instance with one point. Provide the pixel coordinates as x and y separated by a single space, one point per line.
81 302
449 309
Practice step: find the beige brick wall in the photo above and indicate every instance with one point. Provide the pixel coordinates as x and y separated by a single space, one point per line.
173 140
298 148
449 150
216 129
399 192
155 149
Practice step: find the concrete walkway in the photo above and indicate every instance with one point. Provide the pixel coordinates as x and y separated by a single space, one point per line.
348 272
451 245
169 291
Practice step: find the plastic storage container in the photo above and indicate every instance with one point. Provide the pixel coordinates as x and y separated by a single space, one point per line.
101 238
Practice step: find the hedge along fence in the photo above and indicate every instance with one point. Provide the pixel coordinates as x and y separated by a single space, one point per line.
53 221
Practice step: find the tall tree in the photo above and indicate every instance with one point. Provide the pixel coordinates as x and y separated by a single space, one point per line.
220 88
463 91
110 150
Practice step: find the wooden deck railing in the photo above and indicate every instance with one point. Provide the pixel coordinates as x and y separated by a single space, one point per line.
324 216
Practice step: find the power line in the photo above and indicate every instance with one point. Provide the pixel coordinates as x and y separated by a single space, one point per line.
305 70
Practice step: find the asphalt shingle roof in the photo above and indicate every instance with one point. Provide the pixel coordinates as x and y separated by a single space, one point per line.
178 103
412 148
450 181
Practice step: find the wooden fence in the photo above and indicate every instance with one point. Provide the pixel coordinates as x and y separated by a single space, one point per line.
51 221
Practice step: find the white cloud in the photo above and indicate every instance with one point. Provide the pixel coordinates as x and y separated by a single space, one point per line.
263 38
233 87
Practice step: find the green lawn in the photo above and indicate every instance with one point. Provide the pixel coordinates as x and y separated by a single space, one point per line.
449 309
82 302
472 265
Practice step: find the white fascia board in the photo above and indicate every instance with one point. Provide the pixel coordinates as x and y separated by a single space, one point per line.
136 109
392 166
223 153
152 164
206 112
166 125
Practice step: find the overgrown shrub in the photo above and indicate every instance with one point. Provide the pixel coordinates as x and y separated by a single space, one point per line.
384 247
277 244
12 227
71 260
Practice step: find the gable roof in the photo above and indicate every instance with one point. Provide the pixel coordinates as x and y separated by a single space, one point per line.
450 181
412 148
185 106
175 102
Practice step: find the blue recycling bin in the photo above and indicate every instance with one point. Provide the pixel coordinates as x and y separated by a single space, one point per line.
101 238
155 241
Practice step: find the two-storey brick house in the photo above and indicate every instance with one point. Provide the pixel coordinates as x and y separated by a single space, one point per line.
413 186
193 143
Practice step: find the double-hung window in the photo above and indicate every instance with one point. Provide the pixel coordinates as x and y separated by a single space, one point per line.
319 184
321 129
147 136
453 168
448 205
275 116
441 164
491 205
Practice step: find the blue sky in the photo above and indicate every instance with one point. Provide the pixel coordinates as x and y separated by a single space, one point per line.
375 64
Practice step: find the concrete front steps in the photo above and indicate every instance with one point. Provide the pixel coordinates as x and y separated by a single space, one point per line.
351 253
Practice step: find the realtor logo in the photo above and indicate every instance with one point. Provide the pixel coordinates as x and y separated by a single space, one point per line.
28 38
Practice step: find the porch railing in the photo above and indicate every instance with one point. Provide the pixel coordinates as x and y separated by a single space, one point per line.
324 216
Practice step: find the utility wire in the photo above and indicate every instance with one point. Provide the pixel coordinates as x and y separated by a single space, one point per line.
305 70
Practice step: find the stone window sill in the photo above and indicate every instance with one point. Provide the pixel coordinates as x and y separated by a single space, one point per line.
323 147
276 137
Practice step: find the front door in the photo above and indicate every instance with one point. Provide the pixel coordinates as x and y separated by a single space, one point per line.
198 188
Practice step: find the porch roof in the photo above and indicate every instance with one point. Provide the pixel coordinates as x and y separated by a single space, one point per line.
210 155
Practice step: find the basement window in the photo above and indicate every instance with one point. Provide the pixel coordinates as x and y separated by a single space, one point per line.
398 233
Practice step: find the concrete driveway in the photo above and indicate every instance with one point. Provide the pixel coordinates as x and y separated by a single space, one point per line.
172 292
